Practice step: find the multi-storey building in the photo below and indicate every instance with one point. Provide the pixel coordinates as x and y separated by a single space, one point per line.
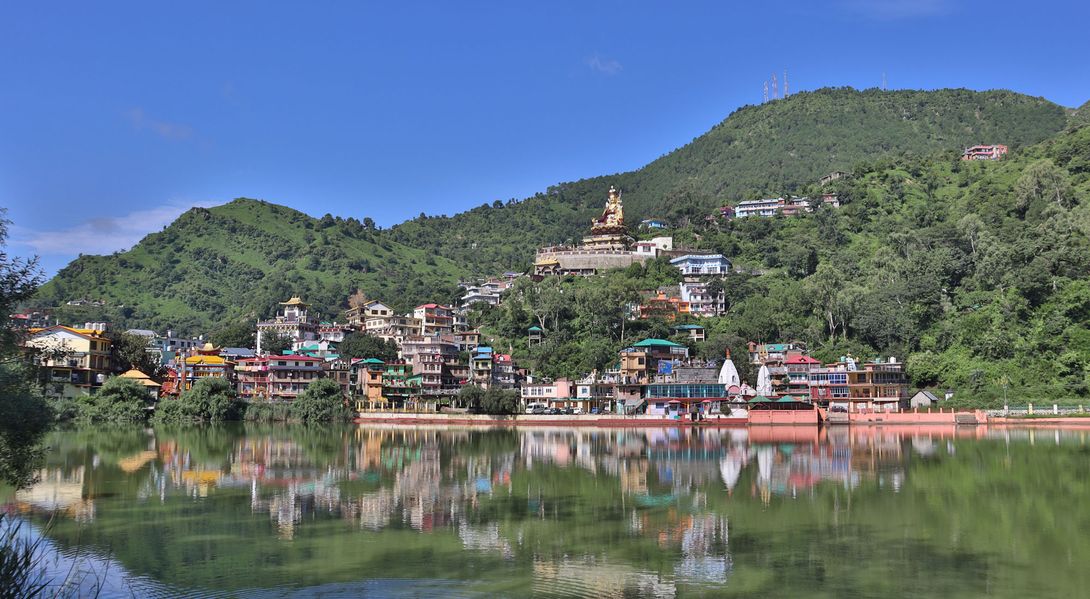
558 393
661 306
203 362
293 320
73 361
392 328
700 265
435 319
763 207
984 152
276 378
358 315
339 370
701 301
435 359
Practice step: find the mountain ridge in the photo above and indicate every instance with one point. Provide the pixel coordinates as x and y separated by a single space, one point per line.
232 262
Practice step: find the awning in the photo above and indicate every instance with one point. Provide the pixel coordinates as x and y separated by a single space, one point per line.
632 403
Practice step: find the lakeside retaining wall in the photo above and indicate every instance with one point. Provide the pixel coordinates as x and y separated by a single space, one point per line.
538 419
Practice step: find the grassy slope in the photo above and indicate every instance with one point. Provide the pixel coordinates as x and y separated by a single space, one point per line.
778 147
235 261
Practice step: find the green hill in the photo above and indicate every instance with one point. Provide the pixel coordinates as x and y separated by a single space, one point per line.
779 147
975 273
234 262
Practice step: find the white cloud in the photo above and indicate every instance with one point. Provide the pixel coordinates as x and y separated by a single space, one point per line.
606 66
893 10
103 235
167 130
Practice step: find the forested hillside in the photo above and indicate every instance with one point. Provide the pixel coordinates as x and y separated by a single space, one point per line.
971 271
977 273
233 263
774 148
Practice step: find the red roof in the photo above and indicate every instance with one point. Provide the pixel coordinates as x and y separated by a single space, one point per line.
800 359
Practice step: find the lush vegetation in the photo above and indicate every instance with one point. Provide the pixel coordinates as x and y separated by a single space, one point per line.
321 401
232 264
493 400
775 148
210 400
118 401
24 414
974 272
362 345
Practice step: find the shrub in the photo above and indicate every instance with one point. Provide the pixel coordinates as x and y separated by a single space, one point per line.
119 400
322 401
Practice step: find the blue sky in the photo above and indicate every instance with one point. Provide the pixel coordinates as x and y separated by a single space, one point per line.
116 117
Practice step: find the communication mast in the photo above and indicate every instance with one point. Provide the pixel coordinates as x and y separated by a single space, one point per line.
883 81
785 83
775 93
766 91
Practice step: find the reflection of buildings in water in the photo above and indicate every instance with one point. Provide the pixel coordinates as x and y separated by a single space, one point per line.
597 577
485 538
634 476
58 490
705 556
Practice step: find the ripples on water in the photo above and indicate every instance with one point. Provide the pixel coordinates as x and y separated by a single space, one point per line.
263 511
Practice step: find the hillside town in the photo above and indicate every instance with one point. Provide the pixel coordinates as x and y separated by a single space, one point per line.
439 353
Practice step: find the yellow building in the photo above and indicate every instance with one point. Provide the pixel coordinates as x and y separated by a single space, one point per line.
203 363
73 361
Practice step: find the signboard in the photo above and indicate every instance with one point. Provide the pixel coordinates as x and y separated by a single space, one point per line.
666 367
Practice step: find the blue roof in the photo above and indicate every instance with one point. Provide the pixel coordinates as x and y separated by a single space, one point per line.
688 327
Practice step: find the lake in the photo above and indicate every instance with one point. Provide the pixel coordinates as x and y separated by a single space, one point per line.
291 511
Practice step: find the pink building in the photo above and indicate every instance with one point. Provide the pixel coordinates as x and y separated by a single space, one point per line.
984 152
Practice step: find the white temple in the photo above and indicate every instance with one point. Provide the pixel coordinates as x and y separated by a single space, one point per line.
728 374
764 382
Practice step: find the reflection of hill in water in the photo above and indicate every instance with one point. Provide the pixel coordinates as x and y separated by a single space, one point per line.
606 511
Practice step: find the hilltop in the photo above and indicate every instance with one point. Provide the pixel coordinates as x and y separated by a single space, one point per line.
779 147
974 273
233 263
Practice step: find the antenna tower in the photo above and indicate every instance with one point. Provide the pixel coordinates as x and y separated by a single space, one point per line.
785 83
883 81
775 93
766 91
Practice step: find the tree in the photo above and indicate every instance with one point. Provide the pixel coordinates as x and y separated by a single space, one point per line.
322 401
237 334
209 400
362 345
25 416
471 396
1043 181
118 401
276 344
500 401
131 351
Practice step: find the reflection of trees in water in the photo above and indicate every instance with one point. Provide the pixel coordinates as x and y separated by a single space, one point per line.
567 505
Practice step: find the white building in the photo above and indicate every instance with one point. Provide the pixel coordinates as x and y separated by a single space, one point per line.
695 265
765 207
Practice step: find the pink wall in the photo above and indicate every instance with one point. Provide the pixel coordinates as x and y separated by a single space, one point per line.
760 417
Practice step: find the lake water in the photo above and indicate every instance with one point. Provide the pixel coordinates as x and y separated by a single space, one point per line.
256 511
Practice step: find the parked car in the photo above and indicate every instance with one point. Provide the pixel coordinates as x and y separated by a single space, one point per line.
577 411
553 412
539 410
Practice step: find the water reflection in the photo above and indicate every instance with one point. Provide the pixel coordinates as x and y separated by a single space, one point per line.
648 512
